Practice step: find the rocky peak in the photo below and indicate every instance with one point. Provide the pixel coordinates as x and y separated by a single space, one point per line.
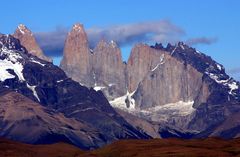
77 57
104 45
78 27
78 32
101 45
28 40
108 69
23 29
100 68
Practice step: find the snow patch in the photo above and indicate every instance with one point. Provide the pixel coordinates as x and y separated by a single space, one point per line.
4 74
179 108
232 85
83 110
160 63
158 113
182 47
111 84
97 88
21 28
125 102
34 61
173 50
16 67
59 81
219 67
32 88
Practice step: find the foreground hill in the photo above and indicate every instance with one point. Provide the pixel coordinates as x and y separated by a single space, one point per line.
15 149
129 148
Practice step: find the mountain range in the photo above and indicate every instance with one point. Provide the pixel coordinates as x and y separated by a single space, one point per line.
173 87
95 98
56 107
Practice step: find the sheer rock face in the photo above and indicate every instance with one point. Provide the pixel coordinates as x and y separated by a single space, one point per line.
28 40
162 79
76 60
142 59
109 70
178 86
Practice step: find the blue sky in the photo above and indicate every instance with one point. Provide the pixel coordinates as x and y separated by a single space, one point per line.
218 20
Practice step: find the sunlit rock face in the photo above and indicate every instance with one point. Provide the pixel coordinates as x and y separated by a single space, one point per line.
109 71
101 68
76 60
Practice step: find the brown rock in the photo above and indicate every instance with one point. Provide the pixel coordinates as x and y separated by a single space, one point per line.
101 68
109 70
140 62
169 81
76 60
27 39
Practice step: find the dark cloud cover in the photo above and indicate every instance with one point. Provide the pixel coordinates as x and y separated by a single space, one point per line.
52 42
157 31
148 32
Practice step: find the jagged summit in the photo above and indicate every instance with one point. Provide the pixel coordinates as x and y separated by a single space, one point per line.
204 64
191 56
11 43
23 29
76 55
78 27
103 43
28 40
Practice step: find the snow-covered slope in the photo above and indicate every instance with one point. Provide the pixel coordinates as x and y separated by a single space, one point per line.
166 113
13 59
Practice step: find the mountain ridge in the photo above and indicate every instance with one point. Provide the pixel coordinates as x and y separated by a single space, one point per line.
48 85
